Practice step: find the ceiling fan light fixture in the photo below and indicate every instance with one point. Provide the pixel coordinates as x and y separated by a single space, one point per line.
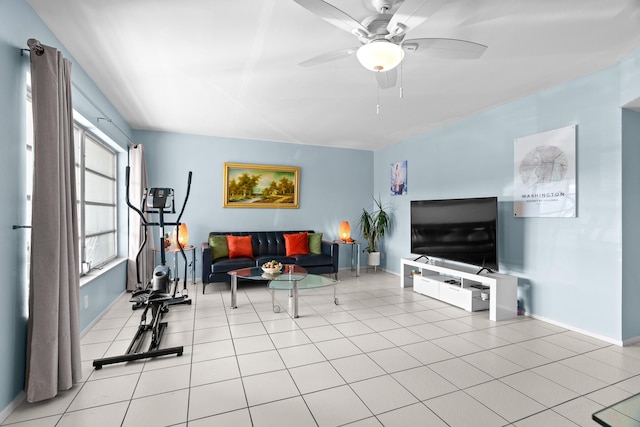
380 55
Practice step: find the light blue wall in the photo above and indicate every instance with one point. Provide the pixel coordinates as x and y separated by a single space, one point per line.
630 223
13 306
570 270
630 91
334 183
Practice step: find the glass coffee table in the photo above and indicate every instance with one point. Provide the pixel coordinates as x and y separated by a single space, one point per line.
625 413
292 278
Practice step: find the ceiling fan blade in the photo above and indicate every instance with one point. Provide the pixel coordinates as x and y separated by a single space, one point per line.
333 15
412 13
444 48
387 79
328 57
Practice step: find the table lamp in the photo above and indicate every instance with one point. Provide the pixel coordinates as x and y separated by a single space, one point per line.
182 234
345 232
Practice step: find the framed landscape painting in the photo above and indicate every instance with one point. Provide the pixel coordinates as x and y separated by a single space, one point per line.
261 186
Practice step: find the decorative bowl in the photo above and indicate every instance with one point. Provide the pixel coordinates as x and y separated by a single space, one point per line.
272 270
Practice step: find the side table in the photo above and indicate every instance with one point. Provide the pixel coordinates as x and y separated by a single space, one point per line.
355 254
175 251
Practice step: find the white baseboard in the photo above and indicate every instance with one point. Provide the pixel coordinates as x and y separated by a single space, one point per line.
630 341
22 395
620 343
585 332
101 315
12 406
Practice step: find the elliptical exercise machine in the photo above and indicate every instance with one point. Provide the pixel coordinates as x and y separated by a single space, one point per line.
158 295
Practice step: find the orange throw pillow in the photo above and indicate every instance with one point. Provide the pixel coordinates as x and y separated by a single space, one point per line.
239 246
296 244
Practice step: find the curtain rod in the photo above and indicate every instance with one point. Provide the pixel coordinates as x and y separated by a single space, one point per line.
108 120
36 47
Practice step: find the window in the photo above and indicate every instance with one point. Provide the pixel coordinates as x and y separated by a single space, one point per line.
96 167
96 183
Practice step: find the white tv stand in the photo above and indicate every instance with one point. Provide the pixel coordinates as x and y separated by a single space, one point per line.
462 288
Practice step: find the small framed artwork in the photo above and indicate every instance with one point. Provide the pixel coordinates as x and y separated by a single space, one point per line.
261 186
399 178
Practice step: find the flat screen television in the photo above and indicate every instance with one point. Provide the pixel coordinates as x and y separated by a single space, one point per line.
460 230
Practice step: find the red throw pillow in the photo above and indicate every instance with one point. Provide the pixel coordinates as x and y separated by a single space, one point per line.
296 244
239 246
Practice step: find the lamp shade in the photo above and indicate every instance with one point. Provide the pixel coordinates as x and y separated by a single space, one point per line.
181 233
344 231
380 55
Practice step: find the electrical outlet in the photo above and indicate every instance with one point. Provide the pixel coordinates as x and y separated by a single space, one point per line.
86 301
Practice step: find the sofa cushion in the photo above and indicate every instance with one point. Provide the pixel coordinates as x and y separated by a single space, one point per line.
296 244
312 260
224 265
219 247
315 243
280 258
239 246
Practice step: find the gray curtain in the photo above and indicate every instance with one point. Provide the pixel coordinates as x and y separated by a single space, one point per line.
137 185
53 340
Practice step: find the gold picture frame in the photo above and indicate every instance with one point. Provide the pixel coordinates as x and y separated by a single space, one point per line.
261 186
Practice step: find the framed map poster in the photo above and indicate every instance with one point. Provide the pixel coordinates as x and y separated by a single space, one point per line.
545 174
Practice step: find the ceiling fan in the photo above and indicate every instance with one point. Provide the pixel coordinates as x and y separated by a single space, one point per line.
382 36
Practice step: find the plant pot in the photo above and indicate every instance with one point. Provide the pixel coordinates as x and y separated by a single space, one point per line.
373 259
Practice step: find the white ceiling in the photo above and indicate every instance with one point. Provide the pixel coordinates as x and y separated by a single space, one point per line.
229 67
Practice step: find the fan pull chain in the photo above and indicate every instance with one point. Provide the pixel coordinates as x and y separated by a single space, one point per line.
378 106
401 88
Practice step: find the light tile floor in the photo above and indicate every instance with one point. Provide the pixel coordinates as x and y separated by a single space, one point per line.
384 356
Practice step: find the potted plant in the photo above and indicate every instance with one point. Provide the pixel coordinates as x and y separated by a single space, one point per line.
373 226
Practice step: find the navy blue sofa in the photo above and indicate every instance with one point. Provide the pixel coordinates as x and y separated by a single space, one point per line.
267 246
